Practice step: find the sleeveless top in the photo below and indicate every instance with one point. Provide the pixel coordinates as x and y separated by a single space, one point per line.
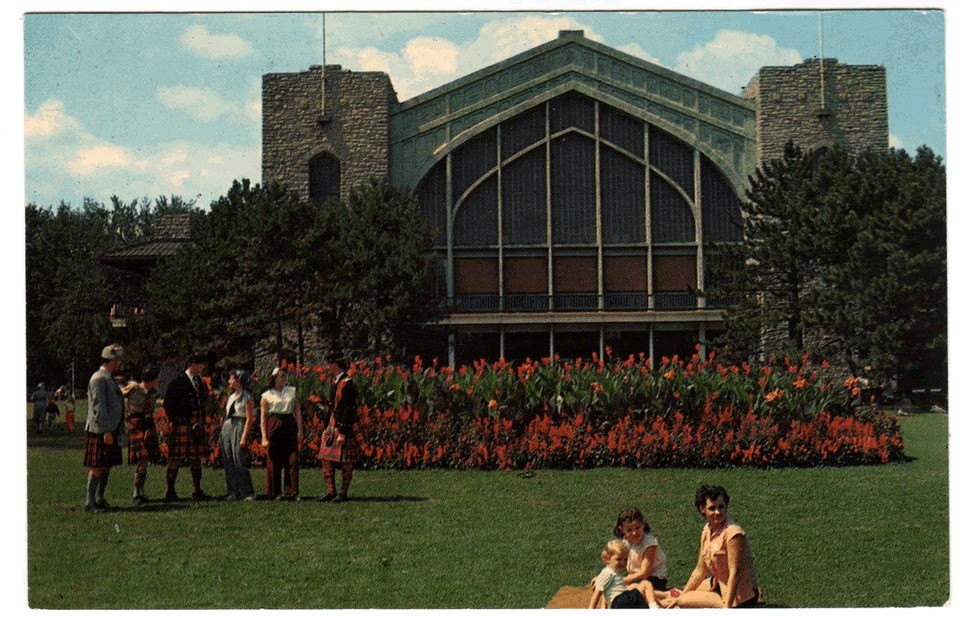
237 405
281 402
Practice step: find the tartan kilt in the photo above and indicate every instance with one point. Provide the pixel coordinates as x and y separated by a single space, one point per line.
98 454
181 444
349 452
143 443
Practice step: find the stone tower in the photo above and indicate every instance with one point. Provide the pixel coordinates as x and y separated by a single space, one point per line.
349 130
817 104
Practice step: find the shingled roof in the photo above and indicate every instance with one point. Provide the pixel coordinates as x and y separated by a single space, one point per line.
170 232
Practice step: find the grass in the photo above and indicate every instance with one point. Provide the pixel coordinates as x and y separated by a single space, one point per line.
834 537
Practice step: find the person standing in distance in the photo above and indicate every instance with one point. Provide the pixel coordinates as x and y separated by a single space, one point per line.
184 403
104 416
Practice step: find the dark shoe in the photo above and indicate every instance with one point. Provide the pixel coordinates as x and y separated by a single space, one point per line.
329 497
231 497
94 509
103 505
250 498
200 496
340 498
171 496
139 500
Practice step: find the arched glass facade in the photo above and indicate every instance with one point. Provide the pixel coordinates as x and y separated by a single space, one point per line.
574 205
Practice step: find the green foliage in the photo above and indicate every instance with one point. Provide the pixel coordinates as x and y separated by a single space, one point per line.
844 256
376 290
68 291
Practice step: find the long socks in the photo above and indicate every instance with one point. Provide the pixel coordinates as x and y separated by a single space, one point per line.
102 478
347 475
195 474
172 480
93 481
329 478
139 479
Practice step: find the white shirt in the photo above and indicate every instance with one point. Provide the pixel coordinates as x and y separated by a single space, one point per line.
659 569
610 584
281 402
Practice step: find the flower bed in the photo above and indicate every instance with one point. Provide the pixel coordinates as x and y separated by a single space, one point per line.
589 413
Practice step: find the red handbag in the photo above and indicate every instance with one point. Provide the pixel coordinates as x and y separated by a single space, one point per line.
329 448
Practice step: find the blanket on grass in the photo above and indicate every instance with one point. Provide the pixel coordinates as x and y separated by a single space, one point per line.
572 597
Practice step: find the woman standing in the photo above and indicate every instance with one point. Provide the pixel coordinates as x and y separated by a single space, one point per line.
725 557
141 430
235 435
282 427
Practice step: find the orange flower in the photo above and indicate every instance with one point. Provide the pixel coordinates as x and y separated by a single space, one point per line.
773 396
493 405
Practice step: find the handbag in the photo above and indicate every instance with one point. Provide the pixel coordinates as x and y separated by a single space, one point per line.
329 448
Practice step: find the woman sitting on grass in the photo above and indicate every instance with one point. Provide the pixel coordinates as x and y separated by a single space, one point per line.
725 575
647 560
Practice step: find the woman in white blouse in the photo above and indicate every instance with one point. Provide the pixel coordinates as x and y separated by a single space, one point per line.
235 435
282 429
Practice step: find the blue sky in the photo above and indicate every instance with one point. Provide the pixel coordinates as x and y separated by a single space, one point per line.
141 105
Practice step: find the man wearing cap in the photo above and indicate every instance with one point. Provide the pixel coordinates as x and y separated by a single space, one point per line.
104 415
344 451
184 404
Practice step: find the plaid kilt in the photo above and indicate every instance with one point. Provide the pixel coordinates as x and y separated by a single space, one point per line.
143 442
181 444
98 454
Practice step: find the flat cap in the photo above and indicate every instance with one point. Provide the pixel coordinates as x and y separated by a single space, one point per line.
112 352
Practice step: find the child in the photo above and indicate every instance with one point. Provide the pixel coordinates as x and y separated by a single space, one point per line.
70 416
610 584
647 559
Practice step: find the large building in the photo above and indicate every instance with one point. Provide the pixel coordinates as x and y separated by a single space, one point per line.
576 190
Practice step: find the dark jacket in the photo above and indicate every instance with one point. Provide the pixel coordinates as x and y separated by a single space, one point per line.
182 403
345 405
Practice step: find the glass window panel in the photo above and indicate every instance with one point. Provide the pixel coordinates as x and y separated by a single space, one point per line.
572 192
571 110
324 178
721 206
673 157
621 198
521 131
472 160
432 195
476 220
621 129
671 219
525 199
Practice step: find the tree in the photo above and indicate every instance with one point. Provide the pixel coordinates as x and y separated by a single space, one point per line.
377 293
844 255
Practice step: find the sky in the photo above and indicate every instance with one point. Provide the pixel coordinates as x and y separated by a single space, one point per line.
143 105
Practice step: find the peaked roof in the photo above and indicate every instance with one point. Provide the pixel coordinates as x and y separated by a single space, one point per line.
170 232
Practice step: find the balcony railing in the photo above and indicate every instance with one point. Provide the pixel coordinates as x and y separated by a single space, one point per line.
568 302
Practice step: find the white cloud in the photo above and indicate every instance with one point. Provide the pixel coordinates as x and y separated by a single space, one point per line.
732 58
432 56
895 141
202 42
635 50
87 161
49 120
202 104
425 63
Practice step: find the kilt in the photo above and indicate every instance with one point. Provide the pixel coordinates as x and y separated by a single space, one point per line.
182 445
143 442
98 454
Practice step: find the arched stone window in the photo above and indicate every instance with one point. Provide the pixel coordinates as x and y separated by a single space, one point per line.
324 183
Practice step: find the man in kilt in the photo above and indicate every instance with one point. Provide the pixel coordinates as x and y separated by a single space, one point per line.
104 417
141 429
343 451
184 404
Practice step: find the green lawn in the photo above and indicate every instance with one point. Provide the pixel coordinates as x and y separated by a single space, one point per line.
863 536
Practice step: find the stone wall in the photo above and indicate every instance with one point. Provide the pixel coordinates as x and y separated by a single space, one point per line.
788 99
353 125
